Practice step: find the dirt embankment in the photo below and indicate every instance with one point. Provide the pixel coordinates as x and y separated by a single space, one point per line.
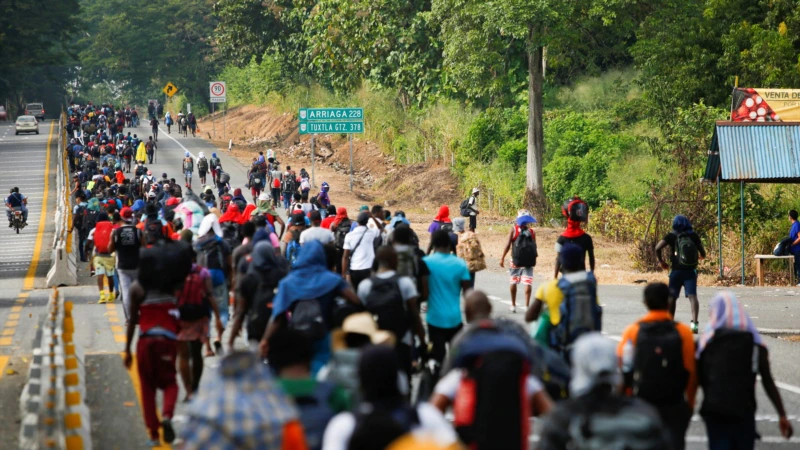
417 189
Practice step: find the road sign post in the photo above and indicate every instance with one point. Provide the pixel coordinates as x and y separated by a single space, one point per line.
331 121
217 91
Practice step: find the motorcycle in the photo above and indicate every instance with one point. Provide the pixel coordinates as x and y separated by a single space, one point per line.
16 221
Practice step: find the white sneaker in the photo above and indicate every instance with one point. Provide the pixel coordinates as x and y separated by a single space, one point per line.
513 309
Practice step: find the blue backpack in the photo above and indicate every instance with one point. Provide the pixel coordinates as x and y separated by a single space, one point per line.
580 313
293 249
315 413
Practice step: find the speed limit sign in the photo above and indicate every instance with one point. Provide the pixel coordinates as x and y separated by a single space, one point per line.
217 91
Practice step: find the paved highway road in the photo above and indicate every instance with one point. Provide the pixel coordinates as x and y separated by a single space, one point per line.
112 392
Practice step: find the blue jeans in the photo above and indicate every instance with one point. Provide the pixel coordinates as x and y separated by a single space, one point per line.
287 200
221 296
797 267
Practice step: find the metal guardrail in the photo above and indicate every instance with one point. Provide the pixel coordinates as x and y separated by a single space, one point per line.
53 406
64 268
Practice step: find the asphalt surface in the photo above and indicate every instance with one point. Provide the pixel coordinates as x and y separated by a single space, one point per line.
111 393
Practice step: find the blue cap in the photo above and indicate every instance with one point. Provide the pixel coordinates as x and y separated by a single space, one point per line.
138 205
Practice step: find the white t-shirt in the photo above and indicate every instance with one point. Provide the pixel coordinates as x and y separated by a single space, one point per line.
448 384
364 253
408 289
432 425
316 234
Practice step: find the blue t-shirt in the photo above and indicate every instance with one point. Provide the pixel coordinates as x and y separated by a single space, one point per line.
793 235
444 287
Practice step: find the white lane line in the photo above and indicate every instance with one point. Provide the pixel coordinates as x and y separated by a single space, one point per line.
162 133
508 302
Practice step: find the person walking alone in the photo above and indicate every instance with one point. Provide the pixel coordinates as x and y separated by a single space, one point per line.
686 251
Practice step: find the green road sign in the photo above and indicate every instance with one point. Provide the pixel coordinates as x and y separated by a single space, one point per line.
331 114
331 127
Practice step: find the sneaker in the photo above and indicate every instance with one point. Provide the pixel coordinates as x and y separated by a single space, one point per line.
152 443
102 297
513 309
695 327
110 297
169 432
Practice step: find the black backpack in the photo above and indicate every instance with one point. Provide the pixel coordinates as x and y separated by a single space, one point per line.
153 230
727 371
782 248
575 209
464 208
289 184
446 226
686 252
202 164
89 220
78 218
215 162
659 375
524 251
260 311
341 232
306 316
385 303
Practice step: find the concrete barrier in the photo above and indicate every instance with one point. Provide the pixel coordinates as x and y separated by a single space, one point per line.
53 401
64 268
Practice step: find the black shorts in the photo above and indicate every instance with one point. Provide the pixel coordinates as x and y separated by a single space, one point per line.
202 173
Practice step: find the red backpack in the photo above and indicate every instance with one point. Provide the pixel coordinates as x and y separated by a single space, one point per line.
192 300
276 183
102 236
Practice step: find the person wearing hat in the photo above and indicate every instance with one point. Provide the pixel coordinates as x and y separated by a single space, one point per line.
521 268
126 241
547 303
472 208
628 422
215 254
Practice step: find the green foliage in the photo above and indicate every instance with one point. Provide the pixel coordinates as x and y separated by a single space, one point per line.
253 82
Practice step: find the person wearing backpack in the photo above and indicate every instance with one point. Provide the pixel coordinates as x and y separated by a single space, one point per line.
383 415
469 208
523 257
567 307
490 361
214 254
188 169
305 301
359 252
469 249
442 222
340 226
79 213
393 300
202 167
596 416
730 355
576 211
316 232
103 260
686 250
449 277
215 164
291 239
658 364
290 353
195 304
126 241
288 187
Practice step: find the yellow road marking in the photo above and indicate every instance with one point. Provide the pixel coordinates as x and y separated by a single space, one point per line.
133 373
16 309
112 313
5 341
20 301
12 323
3 364
24 294
113 319
117 329
8 332
120 338
13 316
111 307
30 277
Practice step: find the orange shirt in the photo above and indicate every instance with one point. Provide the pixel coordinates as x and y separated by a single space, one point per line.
632 331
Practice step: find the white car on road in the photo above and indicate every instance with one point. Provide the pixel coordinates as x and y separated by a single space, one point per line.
27 124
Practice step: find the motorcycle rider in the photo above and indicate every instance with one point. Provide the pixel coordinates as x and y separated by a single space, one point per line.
16 201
